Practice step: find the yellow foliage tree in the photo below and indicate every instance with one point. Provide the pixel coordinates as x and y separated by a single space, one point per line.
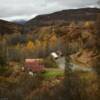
30 45
88 24
53 40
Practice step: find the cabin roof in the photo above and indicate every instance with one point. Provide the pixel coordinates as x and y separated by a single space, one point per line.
33 60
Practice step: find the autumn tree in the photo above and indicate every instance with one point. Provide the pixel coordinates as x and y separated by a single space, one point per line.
53 40
30 45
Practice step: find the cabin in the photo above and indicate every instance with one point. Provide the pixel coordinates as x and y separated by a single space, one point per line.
34 65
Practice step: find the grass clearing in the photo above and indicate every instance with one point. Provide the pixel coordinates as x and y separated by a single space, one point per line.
53 73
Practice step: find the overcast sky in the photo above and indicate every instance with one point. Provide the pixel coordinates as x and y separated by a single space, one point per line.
26 9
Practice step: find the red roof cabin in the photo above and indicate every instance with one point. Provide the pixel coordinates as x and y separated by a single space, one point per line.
34 65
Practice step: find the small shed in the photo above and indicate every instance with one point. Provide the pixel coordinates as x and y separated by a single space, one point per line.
34 65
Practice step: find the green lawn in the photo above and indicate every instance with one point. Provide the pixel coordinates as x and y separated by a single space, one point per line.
53 73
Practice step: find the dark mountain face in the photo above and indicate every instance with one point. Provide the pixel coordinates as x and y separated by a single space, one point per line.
9 27
64 17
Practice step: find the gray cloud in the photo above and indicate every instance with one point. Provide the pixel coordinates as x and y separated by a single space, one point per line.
98 2
10 9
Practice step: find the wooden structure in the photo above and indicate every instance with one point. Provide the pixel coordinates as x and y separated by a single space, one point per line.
34 65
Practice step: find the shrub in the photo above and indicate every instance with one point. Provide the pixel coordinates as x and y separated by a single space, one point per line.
50 63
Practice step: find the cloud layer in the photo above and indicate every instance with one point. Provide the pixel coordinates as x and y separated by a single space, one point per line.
16 9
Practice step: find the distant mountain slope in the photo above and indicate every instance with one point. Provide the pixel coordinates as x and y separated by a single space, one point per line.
63 17
9 27
21 21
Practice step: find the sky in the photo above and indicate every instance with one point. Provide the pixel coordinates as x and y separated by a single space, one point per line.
27 9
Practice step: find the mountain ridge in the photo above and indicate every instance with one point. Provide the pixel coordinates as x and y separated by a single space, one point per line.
58 18
66 15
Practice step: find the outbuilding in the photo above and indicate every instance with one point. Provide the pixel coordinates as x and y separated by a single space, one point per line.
34 65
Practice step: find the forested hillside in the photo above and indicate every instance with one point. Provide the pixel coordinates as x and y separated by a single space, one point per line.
75 33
